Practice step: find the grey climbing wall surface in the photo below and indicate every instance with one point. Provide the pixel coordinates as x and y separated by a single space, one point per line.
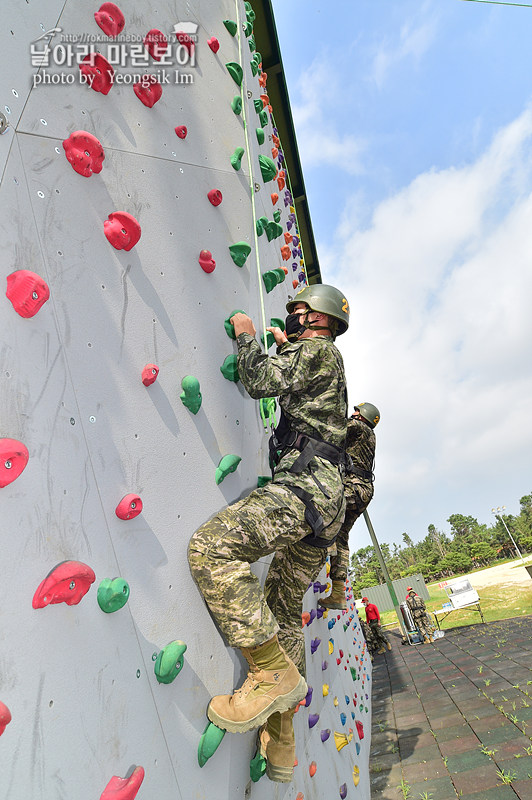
79 697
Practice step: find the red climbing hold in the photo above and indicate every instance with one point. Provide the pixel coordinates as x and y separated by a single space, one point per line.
285 252
215 197
360 729
27 291
84 152
181 131
124 788
275 198
186 41
148 90
5 717
129 507
214 44
295 284
13 459
97 72
122 230
156 44
67 583
149 374
206 261
110 19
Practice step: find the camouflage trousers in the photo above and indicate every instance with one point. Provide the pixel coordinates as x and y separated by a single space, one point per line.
422 623
269 520
380 638
368 636
354 508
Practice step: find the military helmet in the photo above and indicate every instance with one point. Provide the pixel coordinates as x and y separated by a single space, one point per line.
370 413
325 299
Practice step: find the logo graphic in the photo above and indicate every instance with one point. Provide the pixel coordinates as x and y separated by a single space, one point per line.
190 28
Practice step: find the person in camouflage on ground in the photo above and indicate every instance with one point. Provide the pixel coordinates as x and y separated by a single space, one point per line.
358 490
370 639
296 517
419 614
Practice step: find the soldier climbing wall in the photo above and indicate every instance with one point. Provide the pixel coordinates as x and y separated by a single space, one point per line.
144 199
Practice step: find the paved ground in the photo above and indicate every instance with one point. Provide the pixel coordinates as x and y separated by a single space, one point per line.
454 718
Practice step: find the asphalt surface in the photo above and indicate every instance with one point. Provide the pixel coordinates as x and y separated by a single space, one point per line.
454 718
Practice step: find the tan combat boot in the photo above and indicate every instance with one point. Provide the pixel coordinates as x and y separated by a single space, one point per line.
273 684
426 639
336 599
388 645
278 746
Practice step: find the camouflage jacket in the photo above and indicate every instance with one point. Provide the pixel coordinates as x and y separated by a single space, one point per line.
360 445
308 377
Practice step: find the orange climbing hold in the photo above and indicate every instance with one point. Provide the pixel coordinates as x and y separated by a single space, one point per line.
312 769
276 140
281 183
265 100
288 238
295 284
263 77
275 152
285 252
305 618
275 198
300 796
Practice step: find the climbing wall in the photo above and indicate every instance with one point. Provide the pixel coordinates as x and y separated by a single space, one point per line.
137 214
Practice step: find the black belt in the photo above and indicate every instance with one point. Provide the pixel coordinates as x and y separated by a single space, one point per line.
312 518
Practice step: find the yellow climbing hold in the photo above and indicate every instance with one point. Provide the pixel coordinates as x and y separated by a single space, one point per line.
356 775
325 689
335 702
331 647
340 740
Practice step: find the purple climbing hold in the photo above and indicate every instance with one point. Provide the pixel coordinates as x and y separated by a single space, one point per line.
294 266
324 665
312 719
316 586
324 735
301 276
314 644
312 615
343 791
308 697
319 612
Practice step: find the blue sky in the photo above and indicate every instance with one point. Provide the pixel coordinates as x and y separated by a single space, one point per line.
414 126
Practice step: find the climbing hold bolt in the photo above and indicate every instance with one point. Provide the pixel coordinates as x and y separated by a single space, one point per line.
267 168
113 594
239 252
27 291
124 788
191 395
209 743
122 230
149 374
215 197
129 507
227 464
5 717
84 152
181 131
235 71
156 44
148 90
206 261
66 583
169 662
110 19
97 72
229 368
236 158
13 459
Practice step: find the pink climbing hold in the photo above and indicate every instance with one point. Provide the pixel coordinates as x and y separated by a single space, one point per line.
206 261
66 583
156 44
215 197
129 507
27 291
122 230
84 152
181 131
148 90
185 40
97 72
13 459
214 44
149 374
5 717
124 788
110 19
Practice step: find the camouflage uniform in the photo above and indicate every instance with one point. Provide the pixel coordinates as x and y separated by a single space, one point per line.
419 614
360 445
368 636
308 377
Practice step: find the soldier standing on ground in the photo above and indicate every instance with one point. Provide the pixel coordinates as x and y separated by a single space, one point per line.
358 490
418 610
296 516
373 618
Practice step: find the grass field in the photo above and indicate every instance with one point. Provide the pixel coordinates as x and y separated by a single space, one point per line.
496 602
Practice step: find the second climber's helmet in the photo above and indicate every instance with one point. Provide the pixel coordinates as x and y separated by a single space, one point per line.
325 299
370 413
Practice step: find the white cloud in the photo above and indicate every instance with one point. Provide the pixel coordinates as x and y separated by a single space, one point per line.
440 285
411 43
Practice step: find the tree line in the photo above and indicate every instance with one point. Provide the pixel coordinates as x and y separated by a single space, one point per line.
468 545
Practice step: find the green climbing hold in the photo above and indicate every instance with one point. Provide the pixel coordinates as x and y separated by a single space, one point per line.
271 279
231 26
209 743
273 230
113 594
260 135
236 104
252 43
258 57
235 71
261 224
258 105
277 215
239 252
191 395
270 338
257 767
227 464
262 480
250 14
254 68
229 328
236 158
169 662
353 673
229 369
267 406
267 168
248 29
277 322
263 118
